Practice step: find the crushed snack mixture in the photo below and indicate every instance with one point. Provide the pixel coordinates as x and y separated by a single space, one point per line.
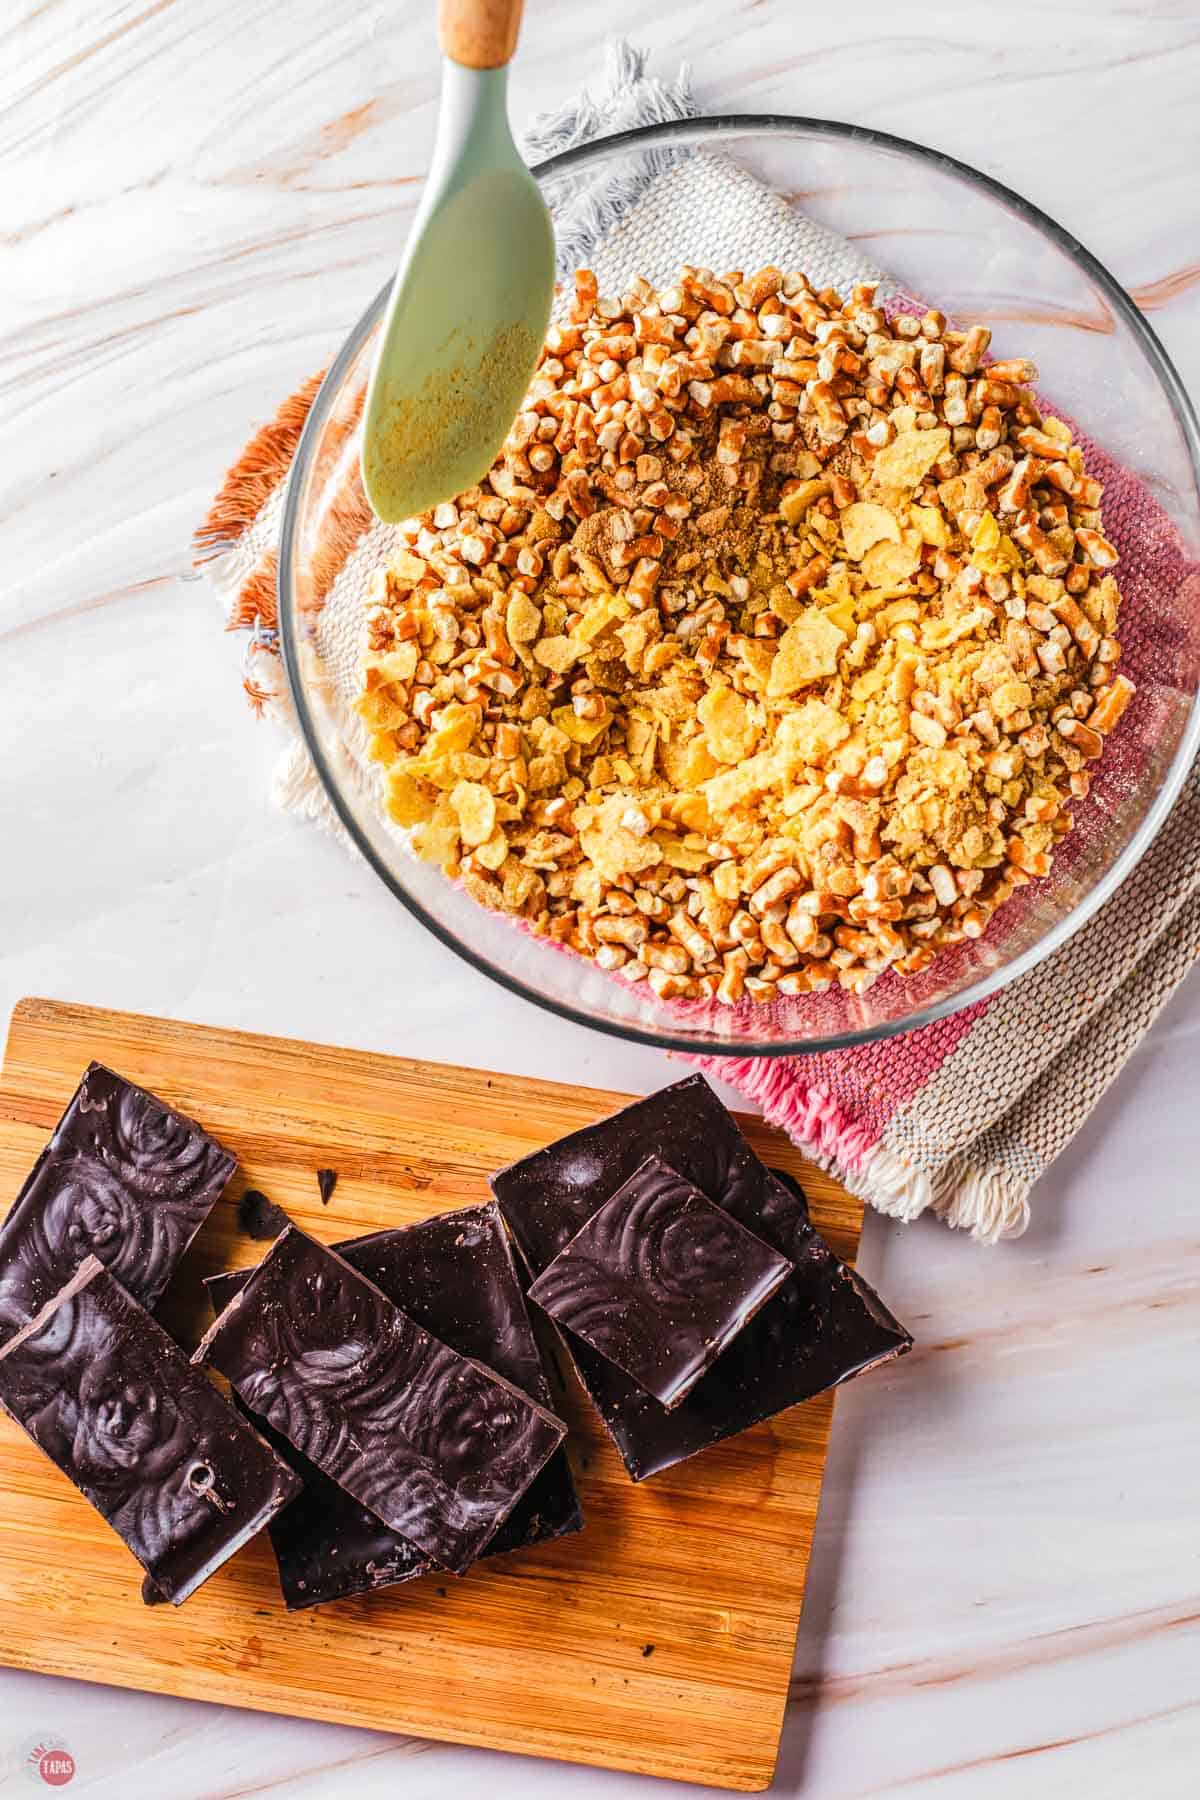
773 651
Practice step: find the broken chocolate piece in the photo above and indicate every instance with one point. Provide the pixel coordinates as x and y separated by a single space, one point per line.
110 1398
125 1178
327 1545
660 1281
454 1275
260 1218
433 1443
822 1327
326 1182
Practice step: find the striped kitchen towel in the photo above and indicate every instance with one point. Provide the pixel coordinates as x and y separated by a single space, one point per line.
961 1116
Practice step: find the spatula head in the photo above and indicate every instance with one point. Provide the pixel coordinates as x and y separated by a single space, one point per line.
460 340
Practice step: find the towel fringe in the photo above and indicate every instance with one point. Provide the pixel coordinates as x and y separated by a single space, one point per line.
989 1203
251 480
263 678
810 1115
256 602
587 210
891 1185
347 515
296 788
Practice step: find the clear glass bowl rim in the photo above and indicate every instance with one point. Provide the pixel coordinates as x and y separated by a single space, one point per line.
703 130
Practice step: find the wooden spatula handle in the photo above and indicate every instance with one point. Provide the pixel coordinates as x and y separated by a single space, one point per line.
479 34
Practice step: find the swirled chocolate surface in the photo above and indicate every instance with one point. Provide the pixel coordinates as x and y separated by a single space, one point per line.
824 1325
111 1399
454 1275
437 1447
660 1281
327 1545
125 1179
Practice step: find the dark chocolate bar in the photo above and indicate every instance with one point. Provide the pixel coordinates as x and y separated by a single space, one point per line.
454 1275
125 1179
660 1281
822 1327
147 1438
327 1545
433 1443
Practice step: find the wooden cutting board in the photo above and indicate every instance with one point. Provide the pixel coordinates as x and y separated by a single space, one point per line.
659 1639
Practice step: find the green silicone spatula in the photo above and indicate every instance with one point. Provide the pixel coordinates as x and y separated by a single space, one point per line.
471 300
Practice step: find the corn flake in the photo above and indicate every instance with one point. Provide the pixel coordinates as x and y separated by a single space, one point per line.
686 857
522 620
436 840
986 535
909 457
808 651
380 709
382 747
492 854
686 762
558 654
841 614
1011 697
729 730
884 565
610 845
456 727
736 787
641 736
812 733
865 523
931 524
839 586
580 731
446 771
757 655
608 610
476 811
409 800
399 664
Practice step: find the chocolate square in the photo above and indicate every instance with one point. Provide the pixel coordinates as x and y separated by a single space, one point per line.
454 1275
126 1179
147 1438
822 1327
434 1444
660 1281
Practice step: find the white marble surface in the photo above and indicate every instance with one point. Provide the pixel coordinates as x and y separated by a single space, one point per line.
195 201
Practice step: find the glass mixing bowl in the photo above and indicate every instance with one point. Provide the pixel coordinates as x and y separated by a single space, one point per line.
958 240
